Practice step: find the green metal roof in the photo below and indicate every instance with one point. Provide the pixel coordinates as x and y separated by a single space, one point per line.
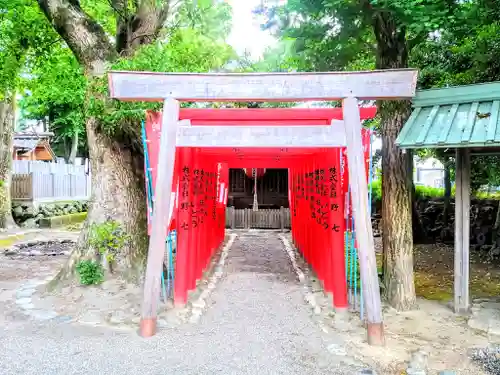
462 116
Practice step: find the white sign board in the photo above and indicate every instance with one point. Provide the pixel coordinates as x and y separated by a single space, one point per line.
376 84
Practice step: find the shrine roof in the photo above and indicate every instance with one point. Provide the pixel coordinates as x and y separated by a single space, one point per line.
454 117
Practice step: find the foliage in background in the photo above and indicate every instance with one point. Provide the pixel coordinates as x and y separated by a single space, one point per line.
426 192
57 87
330 35
25 35
187 51
466 52
209 18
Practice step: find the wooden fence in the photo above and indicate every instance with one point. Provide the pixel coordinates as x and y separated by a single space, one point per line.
261 219
32 166
40 181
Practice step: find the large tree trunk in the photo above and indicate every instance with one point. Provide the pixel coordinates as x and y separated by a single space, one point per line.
6 150
419 233
396 193
118 191
117 194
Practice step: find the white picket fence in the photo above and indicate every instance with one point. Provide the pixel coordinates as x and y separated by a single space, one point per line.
40 181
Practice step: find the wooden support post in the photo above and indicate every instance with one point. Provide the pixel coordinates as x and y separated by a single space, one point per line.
462 231
247 218
359 191
232 217
159 225
282 218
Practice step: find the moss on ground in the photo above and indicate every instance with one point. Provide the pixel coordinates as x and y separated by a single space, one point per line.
6 242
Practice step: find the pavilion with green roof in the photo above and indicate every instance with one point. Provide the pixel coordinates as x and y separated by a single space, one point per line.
464 120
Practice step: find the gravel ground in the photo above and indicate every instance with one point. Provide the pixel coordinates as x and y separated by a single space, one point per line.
256 323
488 359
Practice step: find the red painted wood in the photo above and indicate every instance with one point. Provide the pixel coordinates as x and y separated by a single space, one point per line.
336 257
268 116
321 247
183 258
194 229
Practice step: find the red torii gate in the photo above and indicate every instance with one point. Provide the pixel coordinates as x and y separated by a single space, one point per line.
329 247
345 86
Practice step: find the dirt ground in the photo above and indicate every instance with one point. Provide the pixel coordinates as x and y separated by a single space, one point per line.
432 328
16 271
433 266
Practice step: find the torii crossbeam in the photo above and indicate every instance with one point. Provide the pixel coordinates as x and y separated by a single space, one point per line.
345 86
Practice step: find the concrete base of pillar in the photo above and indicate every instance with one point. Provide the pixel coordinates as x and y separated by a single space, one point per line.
376 334
147 327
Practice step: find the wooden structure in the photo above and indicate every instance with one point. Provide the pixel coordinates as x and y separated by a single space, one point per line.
464 120
272 189
33 146
262 219
41 182
346 86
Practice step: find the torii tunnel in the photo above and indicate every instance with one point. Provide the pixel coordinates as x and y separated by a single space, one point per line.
317 185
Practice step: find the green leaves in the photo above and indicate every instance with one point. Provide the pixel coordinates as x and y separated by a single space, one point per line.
208 17
90 272
187 50
338 34
56 89
103 13
25 35
108 239
193 40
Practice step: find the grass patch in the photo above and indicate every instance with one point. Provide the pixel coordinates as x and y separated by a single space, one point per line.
76 227
8 241
433 287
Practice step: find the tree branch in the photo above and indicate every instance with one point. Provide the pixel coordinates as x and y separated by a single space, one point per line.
86 38
120 7
122 23
145 25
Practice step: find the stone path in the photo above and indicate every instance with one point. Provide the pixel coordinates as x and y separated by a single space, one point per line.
259 314
256 321
21 274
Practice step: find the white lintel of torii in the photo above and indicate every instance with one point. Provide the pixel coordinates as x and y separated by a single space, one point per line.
364 85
